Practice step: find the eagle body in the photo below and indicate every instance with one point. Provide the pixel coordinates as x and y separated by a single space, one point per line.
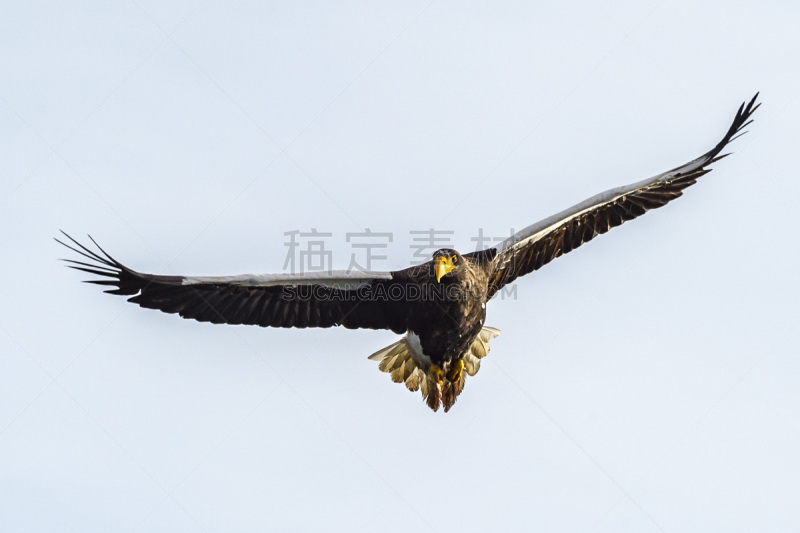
439 306
448 316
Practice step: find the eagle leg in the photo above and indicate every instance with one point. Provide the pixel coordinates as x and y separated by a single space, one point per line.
454 372
437 373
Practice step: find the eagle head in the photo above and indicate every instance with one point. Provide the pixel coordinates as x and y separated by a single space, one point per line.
445 261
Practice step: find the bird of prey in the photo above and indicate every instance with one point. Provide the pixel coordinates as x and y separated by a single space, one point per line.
439 306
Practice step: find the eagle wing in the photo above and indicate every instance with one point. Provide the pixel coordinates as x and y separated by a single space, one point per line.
540 243
373 300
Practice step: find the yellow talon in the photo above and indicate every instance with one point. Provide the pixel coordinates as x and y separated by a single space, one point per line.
437 373
454 373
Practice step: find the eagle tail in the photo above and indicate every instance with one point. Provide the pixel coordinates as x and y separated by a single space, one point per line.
397 361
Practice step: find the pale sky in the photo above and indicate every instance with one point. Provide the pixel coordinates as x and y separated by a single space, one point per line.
646 382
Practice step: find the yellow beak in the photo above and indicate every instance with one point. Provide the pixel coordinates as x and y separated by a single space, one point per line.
442 266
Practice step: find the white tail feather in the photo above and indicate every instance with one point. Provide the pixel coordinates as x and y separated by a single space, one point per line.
405 366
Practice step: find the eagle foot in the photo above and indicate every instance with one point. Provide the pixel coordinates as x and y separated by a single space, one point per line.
454 372
437 373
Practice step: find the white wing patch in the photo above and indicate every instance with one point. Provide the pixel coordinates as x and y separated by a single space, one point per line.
544 226
336 279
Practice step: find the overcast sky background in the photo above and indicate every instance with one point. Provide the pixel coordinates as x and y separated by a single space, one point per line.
645 382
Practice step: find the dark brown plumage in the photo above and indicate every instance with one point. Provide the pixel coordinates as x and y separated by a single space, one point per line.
440 305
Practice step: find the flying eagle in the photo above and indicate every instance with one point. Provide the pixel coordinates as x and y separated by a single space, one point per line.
440 305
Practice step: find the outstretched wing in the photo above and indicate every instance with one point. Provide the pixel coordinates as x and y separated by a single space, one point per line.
537 245
351 299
